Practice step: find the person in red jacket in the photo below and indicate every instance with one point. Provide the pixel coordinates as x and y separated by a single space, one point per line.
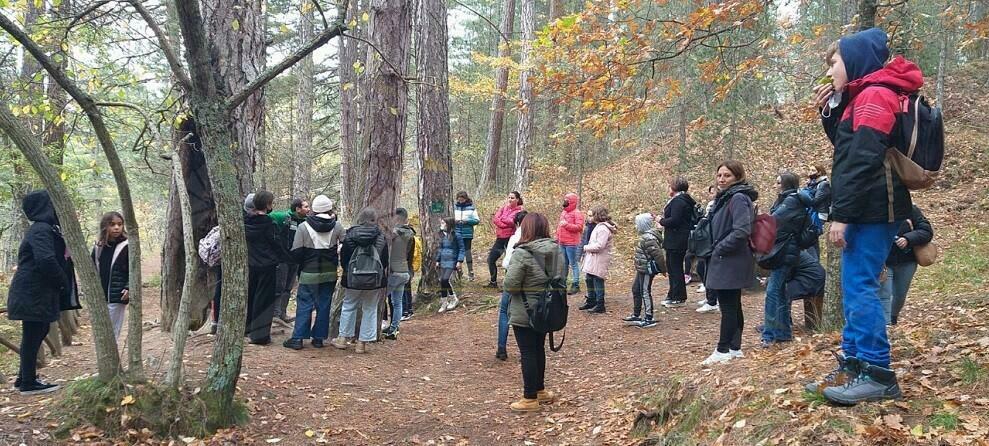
568 232
504 221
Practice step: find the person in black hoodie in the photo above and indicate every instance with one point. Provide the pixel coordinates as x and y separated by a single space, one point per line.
364 289
111 258
902 263
676 222
265 250
43 285
790 212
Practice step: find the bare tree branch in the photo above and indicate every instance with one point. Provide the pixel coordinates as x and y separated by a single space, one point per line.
170 55
492 25
237 98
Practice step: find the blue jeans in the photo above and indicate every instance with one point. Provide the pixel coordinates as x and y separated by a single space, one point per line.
396 291
893 293
503 320
368 300
777 326
864 335
571 259
316 296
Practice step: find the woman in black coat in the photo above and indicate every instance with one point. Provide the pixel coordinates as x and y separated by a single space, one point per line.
676 222
42 286
902 263
732 266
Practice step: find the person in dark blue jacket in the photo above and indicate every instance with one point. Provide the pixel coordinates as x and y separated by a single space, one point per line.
42 287
859 108
790 213
451 256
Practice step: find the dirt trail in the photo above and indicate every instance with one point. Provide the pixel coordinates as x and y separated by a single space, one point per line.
440 381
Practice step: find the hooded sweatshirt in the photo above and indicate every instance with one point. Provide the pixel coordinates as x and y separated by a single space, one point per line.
42 285
403 248
264 247
860 128
568 230
315 249
597 251
366 234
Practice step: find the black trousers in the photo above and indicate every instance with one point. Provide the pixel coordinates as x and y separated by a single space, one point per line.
642 294
260 301
216 294
674 264
712 300
287 276
732 320
407 298
469 254
33 334
446 288
499 247
532 349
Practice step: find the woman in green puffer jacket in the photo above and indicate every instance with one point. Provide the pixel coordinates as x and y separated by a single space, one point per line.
535 260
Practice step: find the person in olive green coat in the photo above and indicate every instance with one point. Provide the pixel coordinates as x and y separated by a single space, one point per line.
536 259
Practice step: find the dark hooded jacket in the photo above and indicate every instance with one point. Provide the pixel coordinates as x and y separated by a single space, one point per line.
316 250
111 262
364 235
861 128
44 282
807 278
676 221
790 212
732 266
918 231
264 245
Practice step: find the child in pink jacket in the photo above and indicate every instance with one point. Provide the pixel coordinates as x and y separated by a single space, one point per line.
597 259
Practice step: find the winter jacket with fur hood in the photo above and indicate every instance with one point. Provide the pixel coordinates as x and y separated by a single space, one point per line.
650 246
597 251
568 230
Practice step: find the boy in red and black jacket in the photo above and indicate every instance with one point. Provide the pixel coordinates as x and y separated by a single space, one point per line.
859 110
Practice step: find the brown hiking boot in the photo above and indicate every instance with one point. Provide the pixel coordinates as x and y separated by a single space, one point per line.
848 369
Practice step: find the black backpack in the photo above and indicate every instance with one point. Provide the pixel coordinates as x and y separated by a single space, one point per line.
548 314
918 138
696 215
701 241
365 270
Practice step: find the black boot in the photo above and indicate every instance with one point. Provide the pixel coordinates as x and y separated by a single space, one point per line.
588 304
873 383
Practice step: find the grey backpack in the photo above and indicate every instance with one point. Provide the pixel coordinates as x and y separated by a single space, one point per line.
365 270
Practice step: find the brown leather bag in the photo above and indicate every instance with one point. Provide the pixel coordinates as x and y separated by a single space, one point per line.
927 253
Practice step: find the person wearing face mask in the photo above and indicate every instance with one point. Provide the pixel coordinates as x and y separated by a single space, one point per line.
449 260
110 256
859 109
504 222
568 232
265 250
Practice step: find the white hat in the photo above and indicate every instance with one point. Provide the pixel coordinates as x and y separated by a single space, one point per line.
322 204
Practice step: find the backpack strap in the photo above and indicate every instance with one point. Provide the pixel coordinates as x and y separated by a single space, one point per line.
556 348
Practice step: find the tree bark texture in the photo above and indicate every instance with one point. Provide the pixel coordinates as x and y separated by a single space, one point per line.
523 137
433 132
180 331
237 49
302 158
107 359
383 135
497 121
866 14
834 316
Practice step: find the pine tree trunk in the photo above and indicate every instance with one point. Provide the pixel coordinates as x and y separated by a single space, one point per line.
302 159
433 133
866 14
553 119
523 138
834 317
489 173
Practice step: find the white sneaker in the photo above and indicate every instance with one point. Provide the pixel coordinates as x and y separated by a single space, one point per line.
717 358
702 302
384 324
452 303
736 353
706 308
701 289
666 302
443 303
671 304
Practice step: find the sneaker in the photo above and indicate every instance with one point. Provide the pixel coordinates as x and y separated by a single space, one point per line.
545 396
717 358
263 341
648 323
501 354
525 405
390 333
707 308
873 383
360 347
385 325
443 302
701 302
340 343
736 353
847 369
452 303
632 318
667 302
701 289
491 285
687 278
293 343
37 388
598 309
588 304
318 343
470 277
406 317
673 304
